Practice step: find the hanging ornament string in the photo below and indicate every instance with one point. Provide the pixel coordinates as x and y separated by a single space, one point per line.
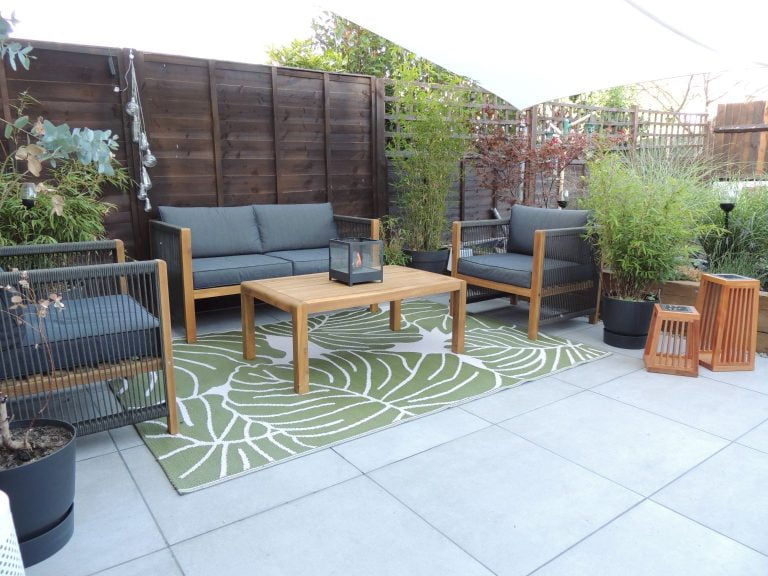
139 135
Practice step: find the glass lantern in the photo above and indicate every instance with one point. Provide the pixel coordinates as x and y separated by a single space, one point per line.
356 260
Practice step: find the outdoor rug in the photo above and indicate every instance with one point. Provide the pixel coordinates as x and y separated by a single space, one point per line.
238 416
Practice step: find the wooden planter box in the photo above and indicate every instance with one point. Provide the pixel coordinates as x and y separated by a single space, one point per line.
684 292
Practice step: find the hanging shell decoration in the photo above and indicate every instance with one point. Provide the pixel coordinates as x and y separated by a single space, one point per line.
139 135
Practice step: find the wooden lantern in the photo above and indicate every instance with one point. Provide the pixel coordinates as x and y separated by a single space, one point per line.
672 346
728 304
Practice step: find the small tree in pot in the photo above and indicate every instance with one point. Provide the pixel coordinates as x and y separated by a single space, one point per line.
647 214
425 152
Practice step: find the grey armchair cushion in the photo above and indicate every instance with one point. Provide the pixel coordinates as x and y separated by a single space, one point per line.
216 231
525 220
231 270
516 269
10 331
86 332
306 261
295 226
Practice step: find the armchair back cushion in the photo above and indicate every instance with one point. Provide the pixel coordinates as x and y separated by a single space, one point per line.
525 220
295 226
216 231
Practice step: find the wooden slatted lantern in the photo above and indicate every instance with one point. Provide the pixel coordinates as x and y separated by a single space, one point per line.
672 346
728 304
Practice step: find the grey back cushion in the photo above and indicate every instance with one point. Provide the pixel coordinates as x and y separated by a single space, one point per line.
295 226
525 220
216 231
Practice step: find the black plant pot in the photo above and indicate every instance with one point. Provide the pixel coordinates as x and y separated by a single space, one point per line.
42 495
430 261
626 322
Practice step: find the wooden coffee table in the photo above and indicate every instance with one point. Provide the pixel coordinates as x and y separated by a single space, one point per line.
309 293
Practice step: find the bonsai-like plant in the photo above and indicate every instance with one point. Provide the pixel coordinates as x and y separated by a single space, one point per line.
647 213
425 152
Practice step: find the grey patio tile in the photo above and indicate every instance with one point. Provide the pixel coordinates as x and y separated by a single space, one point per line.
94 445
184 516
520 399
159 563
728 494
600 371
756 379
508 503
112 523
632 447
352 528
594 337
126 437
651 540
393 444
718 408
757 438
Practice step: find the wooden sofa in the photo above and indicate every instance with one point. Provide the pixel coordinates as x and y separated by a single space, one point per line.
211 250
542 257
101 361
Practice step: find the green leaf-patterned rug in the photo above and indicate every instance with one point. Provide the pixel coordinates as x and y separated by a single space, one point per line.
238 416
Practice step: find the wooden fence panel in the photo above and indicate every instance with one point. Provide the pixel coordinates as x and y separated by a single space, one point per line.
223 133
740 138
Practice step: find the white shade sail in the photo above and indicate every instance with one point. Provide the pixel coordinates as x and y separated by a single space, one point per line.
531 52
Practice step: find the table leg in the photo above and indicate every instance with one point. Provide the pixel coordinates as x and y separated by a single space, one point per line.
459 315
394 315
247 316
300 350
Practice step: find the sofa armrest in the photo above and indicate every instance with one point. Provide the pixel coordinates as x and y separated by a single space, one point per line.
173 244
38 256
357 227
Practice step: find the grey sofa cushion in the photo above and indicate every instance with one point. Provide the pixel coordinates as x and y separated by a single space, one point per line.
294 226
525 220
306 261
231 270
516 269
216 231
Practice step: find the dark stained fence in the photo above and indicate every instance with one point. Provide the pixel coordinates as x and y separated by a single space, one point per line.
740 138
224 134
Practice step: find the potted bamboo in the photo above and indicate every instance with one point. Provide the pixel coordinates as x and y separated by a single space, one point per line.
425 152
647 213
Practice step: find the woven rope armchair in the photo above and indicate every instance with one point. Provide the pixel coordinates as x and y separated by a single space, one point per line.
102 361
539 254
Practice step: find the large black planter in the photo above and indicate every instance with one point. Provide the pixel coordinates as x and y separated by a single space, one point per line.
430 261
42 496
626 322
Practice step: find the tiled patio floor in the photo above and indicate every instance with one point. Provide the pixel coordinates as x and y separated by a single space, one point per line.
603 469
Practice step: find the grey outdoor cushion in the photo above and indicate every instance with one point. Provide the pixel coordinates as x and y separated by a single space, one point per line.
516 269
525 220
231 270
86 332
306 261
294 226
216 231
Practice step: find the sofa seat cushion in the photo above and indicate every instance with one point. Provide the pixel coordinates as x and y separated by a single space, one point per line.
231 270
307 261
294 226
525 220
86 332
516 269
216 231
